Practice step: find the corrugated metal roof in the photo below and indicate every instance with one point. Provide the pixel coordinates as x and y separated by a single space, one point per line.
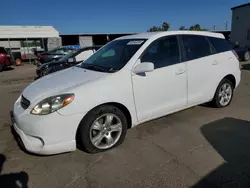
27 32
240 6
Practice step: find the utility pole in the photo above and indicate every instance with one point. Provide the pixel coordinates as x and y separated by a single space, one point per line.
226 25
214 27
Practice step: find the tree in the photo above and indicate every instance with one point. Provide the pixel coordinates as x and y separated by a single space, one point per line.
183 28
195 27
153 29
164 27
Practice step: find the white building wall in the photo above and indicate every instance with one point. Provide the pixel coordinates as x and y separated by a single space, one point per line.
241 26
85 41
54 43
12 44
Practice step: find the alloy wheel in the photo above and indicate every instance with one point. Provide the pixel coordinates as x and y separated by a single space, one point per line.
105 131
225 94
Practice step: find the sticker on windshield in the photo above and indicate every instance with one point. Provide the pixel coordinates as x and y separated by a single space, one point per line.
135 42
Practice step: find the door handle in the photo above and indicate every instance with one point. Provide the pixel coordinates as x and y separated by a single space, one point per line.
215 62
180 71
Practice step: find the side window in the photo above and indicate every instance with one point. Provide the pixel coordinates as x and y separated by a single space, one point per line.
220 45
196 46
162 52
60 51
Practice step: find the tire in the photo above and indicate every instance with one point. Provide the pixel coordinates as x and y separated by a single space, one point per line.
217 100
1 67
87 135
246 56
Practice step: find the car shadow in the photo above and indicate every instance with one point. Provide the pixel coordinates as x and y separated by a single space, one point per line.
230 137
36 78
12 180
246 67
8 69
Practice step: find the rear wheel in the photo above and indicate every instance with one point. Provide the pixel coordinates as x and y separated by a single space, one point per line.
103 128
43 73
224 94
1 67
246 56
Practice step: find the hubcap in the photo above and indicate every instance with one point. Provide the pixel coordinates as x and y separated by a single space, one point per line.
225 94
105 131
247 56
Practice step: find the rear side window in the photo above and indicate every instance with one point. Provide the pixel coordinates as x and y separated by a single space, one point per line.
2 51
196 47
220 45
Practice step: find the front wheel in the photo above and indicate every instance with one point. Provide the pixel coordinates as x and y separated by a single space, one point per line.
103 128
246 56
224 94
1 67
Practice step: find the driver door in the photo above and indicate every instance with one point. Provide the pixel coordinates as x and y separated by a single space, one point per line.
163 90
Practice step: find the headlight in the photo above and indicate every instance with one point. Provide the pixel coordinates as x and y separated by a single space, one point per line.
52 104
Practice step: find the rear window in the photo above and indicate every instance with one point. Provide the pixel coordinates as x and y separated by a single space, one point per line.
220 45
2 51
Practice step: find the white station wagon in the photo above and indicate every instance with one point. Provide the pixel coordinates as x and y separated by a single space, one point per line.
131 80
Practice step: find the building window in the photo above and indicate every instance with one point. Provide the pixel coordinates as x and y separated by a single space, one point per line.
248 34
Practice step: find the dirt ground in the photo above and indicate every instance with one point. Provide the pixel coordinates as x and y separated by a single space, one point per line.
198 147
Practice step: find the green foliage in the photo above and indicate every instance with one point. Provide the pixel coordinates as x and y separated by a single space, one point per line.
183 28
195 27
164 27
30 43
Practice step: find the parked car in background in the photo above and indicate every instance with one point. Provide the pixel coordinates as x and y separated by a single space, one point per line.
243 53
54 55
69 60
5 59
131 80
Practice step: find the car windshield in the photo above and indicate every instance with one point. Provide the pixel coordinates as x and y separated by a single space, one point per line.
113 56
69 55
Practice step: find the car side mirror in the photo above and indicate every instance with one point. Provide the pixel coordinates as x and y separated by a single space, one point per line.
144 67
71 60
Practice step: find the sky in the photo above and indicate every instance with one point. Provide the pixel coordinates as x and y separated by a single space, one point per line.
117 16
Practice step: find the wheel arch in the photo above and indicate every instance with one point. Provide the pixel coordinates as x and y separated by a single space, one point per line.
122 107
231 78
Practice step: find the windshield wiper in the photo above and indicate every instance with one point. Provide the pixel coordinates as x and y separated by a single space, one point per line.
93 67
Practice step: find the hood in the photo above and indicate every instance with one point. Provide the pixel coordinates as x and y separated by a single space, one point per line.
49 64
51 84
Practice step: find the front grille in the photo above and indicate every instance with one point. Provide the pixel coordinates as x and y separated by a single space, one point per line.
25 103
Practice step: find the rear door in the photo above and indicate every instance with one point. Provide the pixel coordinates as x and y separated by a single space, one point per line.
200 66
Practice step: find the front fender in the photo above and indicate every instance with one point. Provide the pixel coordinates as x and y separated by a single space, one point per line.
116 88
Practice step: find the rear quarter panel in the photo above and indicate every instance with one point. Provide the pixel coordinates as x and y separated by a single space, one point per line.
228 65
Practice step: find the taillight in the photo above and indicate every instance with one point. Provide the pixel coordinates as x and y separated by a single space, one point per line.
43 56
235 53
24 57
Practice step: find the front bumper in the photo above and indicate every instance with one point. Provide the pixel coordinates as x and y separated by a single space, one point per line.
36 145
45 135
